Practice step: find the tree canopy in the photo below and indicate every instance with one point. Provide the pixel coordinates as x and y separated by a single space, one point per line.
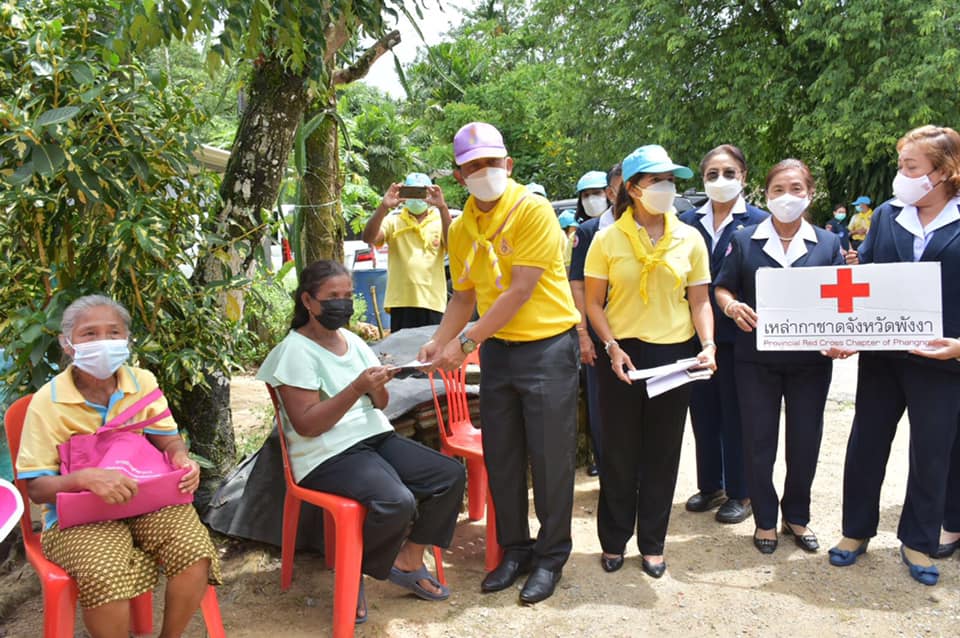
576 85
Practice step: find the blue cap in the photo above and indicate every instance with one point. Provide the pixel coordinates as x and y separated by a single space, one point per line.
652 158
534 187
567 218
863 199
417 179
592 179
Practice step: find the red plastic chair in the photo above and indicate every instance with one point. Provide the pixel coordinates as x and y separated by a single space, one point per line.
59 589
342 527
458 437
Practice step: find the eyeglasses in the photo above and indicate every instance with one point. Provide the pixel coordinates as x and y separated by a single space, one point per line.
728 173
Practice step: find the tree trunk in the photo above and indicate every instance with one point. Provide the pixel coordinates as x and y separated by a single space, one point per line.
205 414
323 226
258 161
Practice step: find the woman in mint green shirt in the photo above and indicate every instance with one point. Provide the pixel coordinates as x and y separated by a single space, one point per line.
332 389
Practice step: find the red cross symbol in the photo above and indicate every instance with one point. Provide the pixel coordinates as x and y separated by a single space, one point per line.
844 290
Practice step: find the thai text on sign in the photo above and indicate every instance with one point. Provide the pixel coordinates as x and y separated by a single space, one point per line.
864 307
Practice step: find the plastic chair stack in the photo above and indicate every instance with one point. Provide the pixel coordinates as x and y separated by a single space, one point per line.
459 438
59 589
342 538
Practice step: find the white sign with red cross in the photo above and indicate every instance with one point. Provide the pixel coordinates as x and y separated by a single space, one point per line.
864 307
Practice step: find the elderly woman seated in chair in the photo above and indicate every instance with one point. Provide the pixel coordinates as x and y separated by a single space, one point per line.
331 390
112 561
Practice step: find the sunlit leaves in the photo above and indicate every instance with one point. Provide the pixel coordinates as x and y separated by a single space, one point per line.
57 115
98 196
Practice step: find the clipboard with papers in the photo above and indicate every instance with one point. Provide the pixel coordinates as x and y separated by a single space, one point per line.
666 377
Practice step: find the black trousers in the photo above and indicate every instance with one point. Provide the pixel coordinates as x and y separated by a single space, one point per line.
528 408
410 317
951 513
715 416
641 437
803 389
885 387
400 482
594 419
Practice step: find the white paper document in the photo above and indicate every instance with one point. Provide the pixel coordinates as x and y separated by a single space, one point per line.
414 364
677 366
666 382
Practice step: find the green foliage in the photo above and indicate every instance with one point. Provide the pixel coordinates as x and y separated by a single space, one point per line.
268 307
216 96
379 135
306 35
576 85
358 201
99 196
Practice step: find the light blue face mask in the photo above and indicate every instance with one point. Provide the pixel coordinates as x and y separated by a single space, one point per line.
416 206
100 358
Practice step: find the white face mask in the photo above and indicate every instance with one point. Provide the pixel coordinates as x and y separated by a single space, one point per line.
487 184
100 358
788 208
658 199
911 190
594 205
722 189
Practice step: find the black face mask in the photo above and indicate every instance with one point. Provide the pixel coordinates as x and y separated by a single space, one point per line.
336 313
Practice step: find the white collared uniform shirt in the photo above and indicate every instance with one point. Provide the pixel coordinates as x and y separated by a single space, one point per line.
706 219
909 219
774 248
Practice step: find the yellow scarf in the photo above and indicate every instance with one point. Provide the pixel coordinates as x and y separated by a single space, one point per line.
411 224
648 261
498 220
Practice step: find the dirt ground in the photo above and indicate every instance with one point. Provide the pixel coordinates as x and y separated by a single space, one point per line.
716 584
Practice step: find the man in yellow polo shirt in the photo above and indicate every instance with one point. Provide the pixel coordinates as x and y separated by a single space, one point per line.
506 256
417 236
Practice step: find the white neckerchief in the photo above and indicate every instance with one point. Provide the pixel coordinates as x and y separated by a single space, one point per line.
706 218
909 218
606 218
773 246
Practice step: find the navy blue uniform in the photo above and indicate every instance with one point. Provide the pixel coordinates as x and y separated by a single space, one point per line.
929 390
800 379
839 229
581 243
714 408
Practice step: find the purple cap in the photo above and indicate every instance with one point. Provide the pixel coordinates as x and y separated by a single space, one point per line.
477 139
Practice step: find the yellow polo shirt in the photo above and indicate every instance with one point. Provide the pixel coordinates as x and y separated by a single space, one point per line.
58 411
665 318
415 276
531 237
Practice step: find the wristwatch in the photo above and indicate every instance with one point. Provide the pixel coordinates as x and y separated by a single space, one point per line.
467 345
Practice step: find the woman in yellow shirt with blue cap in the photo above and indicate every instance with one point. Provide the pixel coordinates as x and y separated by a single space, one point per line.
653 271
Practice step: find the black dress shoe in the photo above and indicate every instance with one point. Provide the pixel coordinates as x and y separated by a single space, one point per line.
807 542
946 550
504 574
593 470
706 501
611 564
540 585
733 511
765 545
654 569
